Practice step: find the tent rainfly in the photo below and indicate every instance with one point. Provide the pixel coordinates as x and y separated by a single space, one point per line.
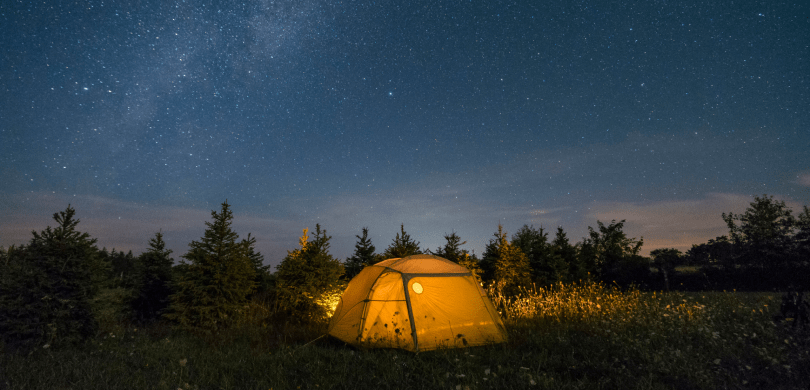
417 303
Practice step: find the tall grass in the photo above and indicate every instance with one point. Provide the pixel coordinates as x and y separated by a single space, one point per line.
586 336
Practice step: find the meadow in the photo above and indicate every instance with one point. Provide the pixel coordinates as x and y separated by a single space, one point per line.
563 337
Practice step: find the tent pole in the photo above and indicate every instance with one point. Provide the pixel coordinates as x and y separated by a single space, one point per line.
405 280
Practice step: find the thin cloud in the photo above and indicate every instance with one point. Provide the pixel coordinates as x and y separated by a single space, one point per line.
803 179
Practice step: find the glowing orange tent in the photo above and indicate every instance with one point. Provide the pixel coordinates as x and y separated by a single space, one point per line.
417 303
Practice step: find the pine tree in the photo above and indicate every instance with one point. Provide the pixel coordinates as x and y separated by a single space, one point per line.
567 253
508 265
363 256
122 268
263 279
308 276
402 246
213 289
452 248
46 287
152 282
546 267
470 262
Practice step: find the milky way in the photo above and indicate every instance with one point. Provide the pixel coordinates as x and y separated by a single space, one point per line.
442 115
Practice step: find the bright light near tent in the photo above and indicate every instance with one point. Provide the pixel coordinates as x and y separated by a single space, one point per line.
417 288
330 299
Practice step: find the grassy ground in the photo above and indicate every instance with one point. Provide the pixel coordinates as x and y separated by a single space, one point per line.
568 337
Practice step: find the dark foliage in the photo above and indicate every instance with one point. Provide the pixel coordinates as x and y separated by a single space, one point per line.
766 249
46 287
152 282
307 275
567 253
506 265
122 268
212 289
609 255
402 246
547 266
794 308
264 279
452 248
665 260
363 256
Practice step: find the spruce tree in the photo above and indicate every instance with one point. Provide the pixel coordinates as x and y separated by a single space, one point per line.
122 268
471 263
213 288
152 282
309 277
452 248
363 256
263 279
46 287
508 265
546 267
402 246
567 253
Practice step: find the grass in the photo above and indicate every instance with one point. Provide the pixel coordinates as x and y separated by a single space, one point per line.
564 337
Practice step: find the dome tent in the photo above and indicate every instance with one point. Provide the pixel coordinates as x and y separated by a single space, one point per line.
417 303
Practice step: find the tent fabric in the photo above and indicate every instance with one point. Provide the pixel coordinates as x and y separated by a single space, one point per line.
417 303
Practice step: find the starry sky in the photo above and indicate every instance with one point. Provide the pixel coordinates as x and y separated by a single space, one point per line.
440 115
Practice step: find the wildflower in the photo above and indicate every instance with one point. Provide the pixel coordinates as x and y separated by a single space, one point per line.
183 362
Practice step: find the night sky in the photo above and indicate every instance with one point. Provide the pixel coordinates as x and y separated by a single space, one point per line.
442 115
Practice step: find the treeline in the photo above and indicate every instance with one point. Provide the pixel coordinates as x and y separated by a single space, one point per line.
767 247
46 286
